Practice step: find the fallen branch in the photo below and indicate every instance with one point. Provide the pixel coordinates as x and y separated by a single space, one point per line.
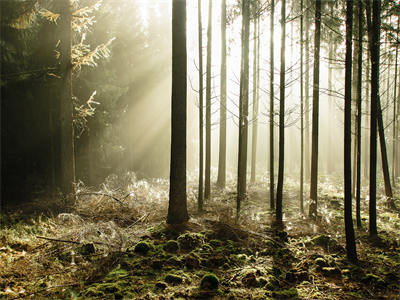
102 194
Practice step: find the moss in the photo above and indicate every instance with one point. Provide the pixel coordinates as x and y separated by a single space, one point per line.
174 261
142 247
320 262
87 249
286 294
250 280
161 285
108 290
209 281
331 271
321 240
116 273
190 241
173 279
191 261
372 278
171 246
215 243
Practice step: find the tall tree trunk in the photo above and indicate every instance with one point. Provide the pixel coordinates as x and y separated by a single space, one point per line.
394 147
374 38
207 184
348 220
367 107
177 208
271 110
330 159
243 106
255 102
201 104
307 97
222 123
281 167
315 114
301 112
66 107
359 10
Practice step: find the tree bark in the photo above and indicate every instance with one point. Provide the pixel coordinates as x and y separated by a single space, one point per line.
281 167
394 147
201 104
207 184
221 181
301 112
315 114
255 103
307 97
348 220
66 107
177 208
243 107
271 111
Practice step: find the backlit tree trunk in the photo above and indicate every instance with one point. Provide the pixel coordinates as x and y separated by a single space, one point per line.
271 110
177 208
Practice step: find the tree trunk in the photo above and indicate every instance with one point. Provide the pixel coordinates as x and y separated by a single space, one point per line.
301 112
331 116
279 189
177 209
359 10
367 107
201 105
315 114
255 103
243 106
348 220
307 97
222 123
271 110
374 38
66 107
394 148
207 184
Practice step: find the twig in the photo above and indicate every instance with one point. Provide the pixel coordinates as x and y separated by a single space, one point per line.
68 241
102 194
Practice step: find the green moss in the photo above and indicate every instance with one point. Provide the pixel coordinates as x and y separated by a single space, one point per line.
209 281
116 274
189 241
215 243
142 247
321 240
286 294
320 262
161 285
171 246
372 278
173 279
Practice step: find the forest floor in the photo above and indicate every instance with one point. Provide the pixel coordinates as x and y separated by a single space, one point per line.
115 244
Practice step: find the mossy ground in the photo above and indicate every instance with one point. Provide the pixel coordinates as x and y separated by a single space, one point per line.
250 260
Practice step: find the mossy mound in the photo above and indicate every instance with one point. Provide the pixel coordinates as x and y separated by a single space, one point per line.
373 279
319 261
331 272
161 285
210 282
286 294
190 241
171 246
173 279
142 247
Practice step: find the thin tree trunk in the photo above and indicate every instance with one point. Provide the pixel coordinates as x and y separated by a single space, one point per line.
330 150
394 148
348 220
307 97
67 129
243 107
255 104
367 112
374 38
201 104
281 167
301 112
207 184
315 116
177 208
359 10
271 111
222 123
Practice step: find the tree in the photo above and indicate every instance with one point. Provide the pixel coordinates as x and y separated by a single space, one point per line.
307 94
255 94
207 183
395 112
374 49
348 220
315 114
177 208
279 189
201 104
301 111
66 107
243 106
271 109
359 110
222 123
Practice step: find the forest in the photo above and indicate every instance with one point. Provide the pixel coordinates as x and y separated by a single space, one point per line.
200 149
